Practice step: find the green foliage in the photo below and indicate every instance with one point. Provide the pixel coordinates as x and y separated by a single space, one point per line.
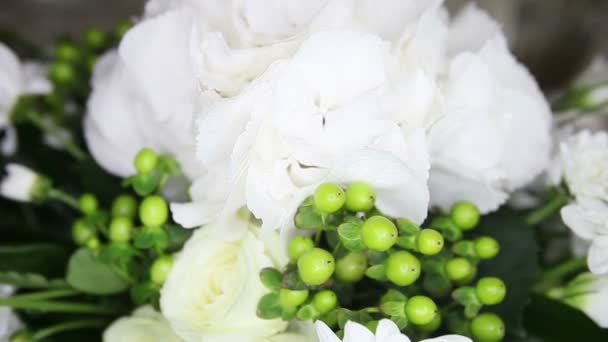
42 258
31 280
88 274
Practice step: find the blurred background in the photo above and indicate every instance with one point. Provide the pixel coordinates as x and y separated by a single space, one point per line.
555 38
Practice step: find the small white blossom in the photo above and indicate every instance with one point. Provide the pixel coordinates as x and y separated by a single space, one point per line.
19 184
387 331
144 325
9 322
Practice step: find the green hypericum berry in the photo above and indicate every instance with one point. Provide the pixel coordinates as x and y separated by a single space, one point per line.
420 310
67 51
379 233
429 242
486 247
487 327
433 325
351 268
88 203
292 298
62 72
145 160
325 301
329 198
153 211
124 205
316 266
93 243
298 246
465 215
490 290
402 268
120 229
122 28
94 37
82 232
459 269
160 269
360 197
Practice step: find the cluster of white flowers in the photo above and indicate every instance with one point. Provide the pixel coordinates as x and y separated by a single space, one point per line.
17 79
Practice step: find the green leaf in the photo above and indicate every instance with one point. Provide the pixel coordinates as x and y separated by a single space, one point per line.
447 228
88 274
144 293
396 308
292 280
407 242
271 278
407 227
516 265
465 248
307 217
307 312
269 307
400 321
393 295
376 272
177 236
465 295
41 258
116 253
437 284
345 315
350 235
151 237
31 280
375 257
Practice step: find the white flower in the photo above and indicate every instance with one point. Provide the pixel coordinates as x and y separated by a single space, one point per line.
17 79
144 325
387 331
213 288
9 322
313 118
584 158
589 293
20 183
588 218
494 135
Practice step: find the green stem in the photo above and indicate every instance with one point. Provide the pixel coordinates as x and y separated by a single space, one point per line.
67 143
67 326
550 276
48 294
550 209
64 197
50 306
318 236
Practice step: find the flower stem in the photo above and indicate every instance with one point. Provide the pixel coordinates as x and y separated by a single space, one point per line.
49 294
18 302
67 143
550 276
67 326
64 197
547 211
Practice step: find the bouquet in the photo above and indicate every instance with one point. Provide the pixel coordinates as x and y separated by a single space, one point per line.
294 171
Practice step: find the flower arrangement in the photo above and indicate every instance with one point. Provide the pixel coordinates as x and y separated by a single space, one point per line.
290 171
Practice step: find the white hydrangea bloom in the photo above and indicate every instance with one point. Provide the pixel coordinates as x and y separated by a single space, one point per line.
19 184
387 331
17 79
144 325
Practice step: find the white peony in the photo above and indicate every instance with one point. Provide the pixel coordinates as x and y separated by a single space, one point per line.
494 136
9 322
213 288
17 79
588 218
20 183
589 293
144 325
313 118
387 331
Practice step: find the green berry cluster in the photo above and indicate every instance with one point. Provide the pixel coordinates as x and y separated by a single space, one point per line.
134 233
153 171
359 264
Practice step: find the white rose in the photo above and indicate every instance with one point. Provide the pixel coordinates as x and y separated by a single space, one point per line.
588 218
313 118
212 291
387 331
17 79
144 325
494 136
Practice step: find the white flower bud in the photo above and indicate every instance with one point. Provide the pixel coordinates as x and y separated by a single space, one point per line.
21 184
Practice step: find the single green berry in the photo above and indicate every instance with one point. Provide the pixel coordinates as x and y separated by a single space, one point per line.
402 268
433 325
465 215
298 246
316 266
61 72
360 197
144 183
145 160
420 310
490 290
88 203
372 325
379 233
93 243
459 269
160 269
120 229
153 211
487 327
67 51
292 298
122 28
329 198
325 301
124 205
429 242
351 268
486 247
82 232
95 37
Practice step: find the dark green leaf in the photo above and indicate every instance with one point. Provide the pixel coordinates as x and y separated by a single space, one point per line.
144 293
88 274
271 278
307 217
465 248
396 308
41 258
393 295
437 284
177 236
447 228
407 227
376 272
269 307
345 315
307 312
151 237
292 280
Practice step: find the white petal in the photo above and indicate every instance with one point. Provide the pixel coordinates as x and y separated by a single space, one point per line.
387 331
325 334
470 29
449 338
575 218
598 255
355 332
